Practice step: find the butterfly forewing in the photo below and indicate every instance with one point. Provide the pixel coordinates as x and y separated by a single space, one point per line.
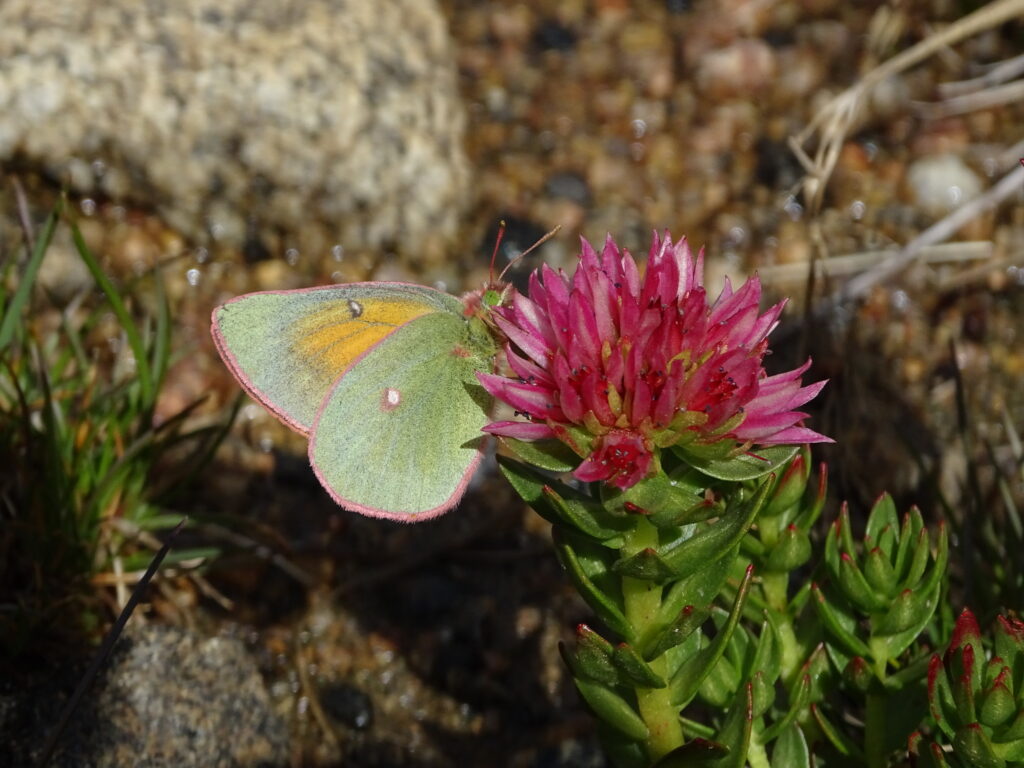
288 348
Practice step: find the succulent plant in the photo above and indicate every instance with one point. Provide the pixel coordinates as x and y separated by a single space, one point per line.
976 699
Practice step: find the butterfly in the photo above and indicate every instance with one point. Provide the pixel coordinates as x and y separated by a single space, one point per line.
382 379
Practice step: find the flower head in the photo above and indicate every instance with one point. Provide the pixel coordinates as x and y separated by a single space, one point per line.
620 366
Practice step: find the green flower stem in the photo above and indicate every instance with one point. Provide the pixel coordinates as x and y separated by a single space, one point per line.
874 730
642 601
775 587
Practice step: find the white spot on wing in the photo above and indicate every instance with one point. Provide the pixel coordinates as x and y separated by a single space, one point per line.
391 399
355 309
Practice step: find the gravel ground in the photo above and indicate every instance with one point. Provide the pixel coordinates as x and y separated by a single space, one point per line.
434 645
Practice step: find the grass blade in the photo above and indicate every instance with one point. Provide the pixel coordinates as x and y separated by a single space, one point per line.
12 316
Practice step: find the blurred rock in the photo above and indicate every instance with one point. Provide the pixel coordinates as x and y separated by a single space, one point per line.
941 183
320 122
742 69
169 698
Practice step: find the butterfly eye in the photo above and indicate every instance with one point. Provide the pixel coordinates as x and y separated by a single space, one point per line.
492 298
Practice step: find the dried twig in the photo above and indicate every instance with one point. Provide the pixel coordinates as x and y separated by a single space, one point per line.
861 284
999 73
833 122
996 96
852 263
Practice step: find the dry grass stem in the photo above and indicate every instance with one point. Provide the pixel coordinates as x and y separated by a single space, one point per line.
854 263
998 74
995 96
834 121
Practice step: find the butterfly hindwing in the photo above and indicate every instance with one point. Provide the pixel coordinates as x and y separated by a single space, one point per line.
400 432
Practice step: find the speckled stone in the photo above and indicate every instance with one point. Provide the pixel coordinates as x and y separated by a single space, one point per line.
169 699
306 124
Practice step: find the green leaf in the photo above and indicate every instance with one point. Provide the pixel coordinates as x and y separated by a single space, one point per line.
856 588
604 606
882 514
720 684
12 315
839 624
685 682
612 709
791 485
930 590
791 749
748 466
552 455
792 550
699 589
843 744
698 753
142 368
561 505
736 730
971 744
767 657
656 642
799 700
710 543
879 572
591 658
634 668
659 497
910 531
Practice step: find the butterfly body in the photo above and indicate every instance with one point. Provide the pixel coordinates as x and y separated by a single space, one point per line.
380 376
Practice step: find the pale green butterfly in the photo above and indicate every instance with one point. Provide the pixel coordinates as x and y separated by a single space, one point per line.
380 376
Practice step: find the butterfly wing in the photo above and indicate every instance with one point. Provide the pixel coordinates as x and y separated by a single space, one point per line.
287 348
399 435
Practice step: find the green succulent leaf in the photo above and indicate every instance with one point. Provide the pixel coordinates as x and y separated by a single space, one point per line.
971 744
612 709
736 730
698 753
792 550
839 624
662 639
561 505
711 542
699 589
879 572
790 487
634 668
552 455
591 657
746 466
605 606
686 681
910 533
842 743
791 749
800 698
882 515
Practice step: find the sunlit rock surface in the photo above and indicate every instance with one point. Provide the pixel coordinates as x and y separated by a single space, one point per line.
298 125
167 697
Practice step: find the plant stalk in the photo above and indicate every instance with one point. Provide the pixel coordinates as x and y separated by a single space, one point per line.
642 601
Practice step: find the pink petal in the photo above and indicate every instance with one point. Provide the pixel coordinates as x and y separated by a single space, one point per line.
532 346
523 397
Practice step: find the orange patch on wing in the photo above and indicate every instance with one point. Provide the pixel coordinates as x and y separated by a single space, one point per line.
331 339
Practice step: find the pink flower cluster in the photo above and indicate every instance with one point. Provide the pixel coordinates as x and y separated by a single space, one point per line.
639 363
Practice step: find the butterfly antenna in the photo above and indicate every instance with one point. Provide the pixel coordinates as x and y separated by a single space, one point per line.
497 244
529 250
